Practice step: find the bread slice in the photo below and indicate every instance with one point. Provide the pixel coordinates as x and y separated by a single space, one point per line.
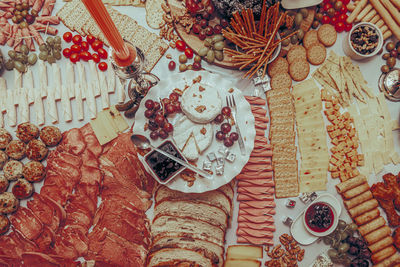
208 249
173 256
193 209
214 198
227 190
167 226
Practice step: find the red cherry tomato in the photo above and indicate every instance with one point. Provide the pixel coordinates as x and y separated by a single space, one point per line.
347 27
90 39
342 17
189 53
74 57
96 58
76 48
325 1
97 44
85 46
339 26
102 53
77 39
337 14
67 52
85 55
345 2
327 6
67 37
343 10
180 45
326 20
334 20
103 66
171 65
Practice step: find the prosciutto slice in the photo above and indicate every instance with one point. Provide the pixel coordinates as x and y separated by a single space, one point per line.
45 239
26 222
53 20
73 142
39 259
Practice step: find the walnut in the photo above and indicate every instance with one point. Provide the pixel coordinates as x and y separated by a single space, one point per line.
197 79
178 91
169 56
231 90
203 131
201 88
200 108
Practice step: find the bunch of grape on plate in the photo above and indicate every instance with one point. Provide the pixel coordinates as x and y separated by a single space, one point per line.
225 134
157 114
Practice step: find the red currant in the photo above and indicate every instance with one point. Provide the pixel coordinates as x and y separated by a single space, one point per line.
159 119
149 113
226 111
157 106
228 142
173 97
226 127
168 127
339 26
234 136
154 135
220 136
219 118
162 133
169 109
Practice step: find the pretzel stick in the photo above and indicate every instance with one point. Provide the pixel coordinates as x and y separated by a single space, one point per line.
360 5
363 13
396 3
369 16
393 10
375 19
387 18
262 17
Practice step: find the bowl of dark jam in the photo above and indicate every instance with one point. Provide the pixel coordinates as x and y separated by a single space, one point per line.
162 168
320 218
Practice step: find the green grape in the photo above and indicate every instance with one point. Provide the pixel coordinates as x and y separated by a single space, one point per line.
341 224
332 253
344 247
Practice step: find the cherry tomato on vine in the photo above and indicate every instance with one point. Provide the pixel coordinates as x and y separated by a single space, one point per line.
67 52
342 17
90 39
347 27
97 44
96 58
103 66
334 20
85 55
67 37
327 6
74 57
77 39
343 10
339 26
180 45
76 48
102 53
85 46
326 20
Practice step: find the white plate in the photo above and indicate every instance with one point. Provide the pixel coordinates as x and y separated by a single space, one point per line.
294 4
245 121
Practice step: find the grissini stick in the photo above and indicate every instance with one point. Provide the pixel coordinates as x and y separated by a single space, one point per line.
375 18
384 28
363 13
387 34
351 7
396 3
369 16
393 10
360 5
379 23
385 15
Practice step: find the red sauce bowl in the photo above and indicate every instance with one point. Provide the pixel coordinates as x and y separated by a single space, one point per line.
320 218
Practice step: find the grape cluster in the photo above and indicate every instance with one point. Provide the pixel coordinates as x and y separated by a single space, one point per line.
157 113
225 134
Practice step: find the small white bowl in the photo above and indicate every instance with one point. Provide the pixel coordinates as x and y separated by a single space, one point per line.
349 49
333 226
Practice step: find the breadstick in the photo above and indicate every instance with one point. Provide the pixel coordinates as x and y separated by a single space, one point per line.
396 3
384 28
351 7
379 23
363 13
375 19
387 18
387 35
369 16
393 10
360 5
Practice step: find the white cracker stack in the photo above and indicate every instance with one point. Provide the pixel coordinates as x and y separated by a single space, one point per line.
311 137
282 136
75 16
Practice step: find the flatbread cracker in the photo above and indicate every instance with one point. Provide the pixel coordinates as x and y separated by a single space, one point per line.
155 13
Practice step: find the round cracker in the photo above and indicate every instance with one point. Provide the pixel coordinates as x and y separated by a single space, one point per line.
310 38
279 65
327 34
281 81
299 70
296 53
316 54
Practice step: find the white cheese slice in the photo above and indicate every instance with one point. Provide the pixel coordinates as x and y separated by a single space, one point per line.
57 82
3 99
201 103
91 101
82 78
17 79
29 85
11 110
95 78
110 79
70 80
105 101
38 107
42 78
120 88
66 104
52 107
79 102
23 105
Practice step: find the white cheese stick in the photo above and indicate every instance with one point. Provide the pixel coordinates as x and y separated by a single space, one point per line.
42 78
56 82
11 112
17 79
78 101
82 78
110 79
91 101
70 80
105 101
66 104
3 99
95 78
23 105
51 107
29 85
38 107
120 88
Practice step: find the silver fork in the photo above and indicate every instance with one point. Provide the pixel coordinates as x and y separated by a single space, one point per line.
230 101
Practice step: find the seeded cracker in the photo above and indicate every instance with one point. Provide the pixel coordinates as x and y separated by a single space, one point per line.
154 13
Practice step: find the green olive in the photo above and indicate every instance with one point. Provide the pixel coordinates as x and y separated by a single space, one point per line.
327 240
386 56
24 49
203 51
182 67
338 5
315 24
207 42
12 54
24 13
304 12
217 38
43 55
385 68
20 57
219 45
353 227
331 12
391 62
57 40
19 18
19 66
50 40
300 34
210 56
298 19
332 253
390 46
25 6
18 7
9 65
51 59
286 42
57 47
57 55
32 58
43 48
293 39
14 19
343 236
182 59
286 32
190 67
23 24
344 247
319 16
341 224
219 55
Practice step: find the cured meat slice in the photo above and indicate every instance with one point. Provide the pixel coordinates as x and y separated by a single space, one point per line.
256 226
255 240
8 261
256 233
9 247
90 159
78 217
45 239
66 185
256 219
65 169
21 242
75 236
38 259
80 199
56 193
257 190
73 142
91 140
26 222
65 156
41 209
90 175
255 182
257 212
65 250
92 191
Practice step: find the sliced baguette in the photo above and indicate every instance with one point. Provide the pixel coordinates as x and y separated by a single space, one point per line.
227 190
173 256
192 209
167 226
208 249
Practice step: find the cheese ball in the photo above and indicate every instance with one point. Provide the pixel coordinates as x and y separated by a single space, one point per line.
3 183
5 138
50 135
3 159
4 224
27 131
36 150
8 203
13 170
16 149
22 189
33 171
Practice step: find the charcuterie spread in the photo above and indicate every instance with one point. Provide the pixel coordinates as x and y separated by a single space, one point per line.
199 133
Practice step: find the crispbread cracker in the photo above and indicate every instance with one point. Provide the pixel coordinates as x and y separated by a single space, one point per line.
279 65
316 54
154 13
281 81
299 70
327 34
296 53
310 38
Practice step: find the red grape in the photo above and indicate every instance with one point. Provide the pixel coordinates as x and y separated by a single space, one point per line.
157 106
202 35
224 23
196 66
153 125
217 29
149 113
209 30
196 28
159 120
173 97
226 111
203 23
154 135
177 107
228 142
171 65
234 136
149 104
226 127
168 127
165 101
220 136
219 118
163 134
169 109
